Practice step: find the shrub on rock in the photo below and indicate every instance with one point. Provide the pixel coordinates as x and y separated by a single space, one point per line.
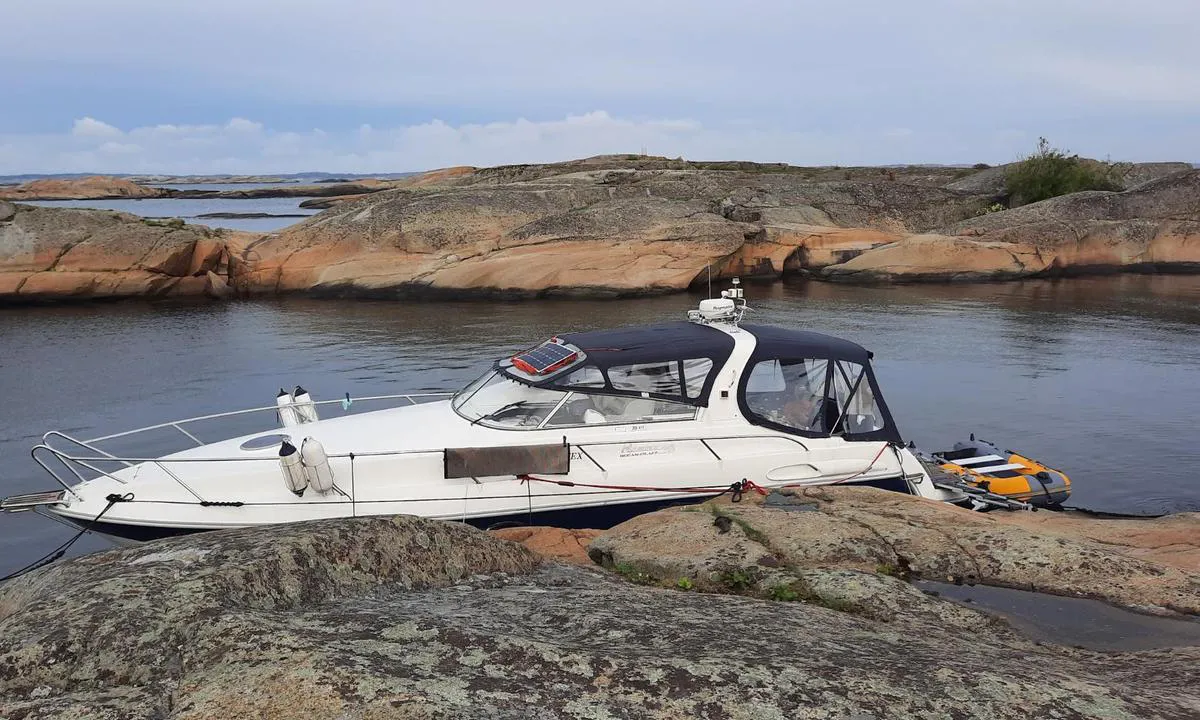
1050 172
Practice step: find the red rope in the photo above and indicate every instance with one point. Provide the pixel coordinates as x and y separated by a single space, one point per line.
746 485
751 485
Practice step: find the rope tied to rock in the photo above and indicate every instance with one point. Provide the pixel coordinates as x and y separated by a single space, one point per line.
61 550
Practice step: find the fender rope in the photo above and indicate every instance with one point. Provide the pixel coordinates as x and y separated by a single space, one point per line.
58 552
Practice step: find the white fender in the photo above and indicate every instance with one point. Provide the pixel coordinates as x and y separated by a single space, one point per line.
293 469
306 409
316 466
287 412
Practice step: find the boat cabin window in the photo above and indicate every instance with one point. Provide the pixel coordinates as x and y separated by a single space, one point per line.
496 400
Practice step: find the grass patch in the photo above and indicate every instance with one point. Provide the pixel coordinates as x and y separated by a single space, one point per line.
783 592
633 574
737 580
993 208
684 584
800 590
890 570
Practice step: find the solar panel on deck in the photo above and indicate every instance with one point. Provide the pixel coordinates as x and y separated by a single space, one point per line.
544 358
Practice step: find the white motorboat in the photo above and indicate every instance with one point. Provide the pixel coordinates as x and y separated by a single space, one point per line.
586 429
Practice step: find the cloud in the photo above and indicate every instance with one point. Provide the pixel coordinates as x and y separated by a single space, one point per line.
410 85
243 125
242 146
90 127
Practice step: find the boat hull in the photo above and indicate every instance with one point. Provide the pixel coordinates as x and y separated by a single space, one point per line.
598 517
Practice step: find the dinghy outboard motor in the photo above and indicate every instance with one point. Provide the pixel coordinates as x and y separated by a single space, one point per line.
317 472
293 469
306 409
287 411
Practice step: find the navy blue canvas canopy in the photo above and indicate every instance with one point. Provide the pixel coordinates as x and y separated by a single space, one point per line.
672 344
652 343
774 342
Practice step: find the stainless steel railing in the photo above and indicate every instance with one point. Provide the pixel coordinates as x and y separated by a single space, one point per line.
50 449
177 424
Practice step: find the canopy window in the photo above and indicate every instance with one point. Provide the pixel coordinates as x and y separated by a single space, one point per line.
813 385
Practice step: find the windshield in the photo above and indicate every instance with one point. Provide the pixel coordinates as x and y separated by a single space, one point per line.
496 400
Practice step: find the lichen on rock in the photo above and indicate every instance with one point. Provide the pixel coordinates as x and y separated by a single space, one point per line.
412 618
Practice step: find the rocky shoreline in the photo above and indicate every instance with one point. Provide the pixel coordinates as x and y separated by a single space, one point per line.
111 188
803 607
56 255
620 226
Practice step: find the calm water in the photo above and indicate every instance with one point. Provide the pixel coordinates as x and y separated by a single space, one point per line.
190 210
219 186
1096 376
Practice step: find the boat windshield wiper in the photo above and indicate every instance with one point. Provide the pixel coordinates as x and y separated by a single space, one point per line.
501 409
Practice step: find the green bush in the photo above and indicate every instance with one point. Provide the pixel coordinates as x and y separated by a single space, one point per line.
783 593
1050 172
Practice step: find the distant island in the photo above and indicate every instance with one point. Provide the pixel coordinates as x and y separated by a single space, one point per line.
612 226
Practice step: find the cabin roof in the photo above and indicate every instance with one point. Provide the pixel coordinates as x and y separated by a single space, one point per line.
776 342
652 343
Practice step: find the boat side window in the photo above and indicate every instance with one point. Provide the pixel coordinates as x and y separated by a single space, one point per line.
590 409
789 393
695 372
855 399
588 376
660 378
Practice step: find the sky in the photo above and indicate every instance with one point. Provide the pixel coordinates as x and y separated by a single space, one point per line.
274 86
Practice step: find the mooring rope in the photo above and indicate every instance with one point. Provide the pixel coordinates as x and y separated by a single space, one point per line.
59 551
